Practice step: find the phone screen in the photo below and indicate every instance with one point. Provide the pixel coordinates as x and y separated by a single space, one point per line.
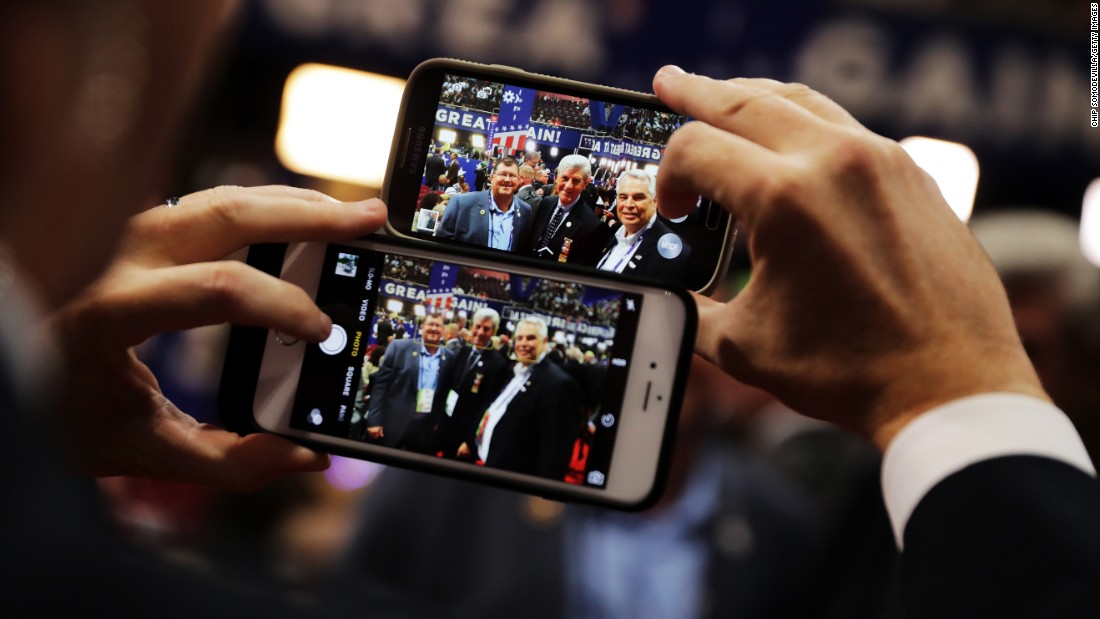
525 374
553 174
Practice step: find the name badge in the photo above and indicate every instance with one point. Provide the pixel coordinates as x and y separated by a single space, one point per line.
424 399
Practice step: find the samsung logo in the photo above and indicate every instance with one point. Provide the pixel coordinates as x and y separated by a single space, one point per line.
415 150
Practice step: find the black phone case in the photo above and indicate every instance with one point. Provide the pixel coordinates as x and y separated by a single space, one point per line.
403 138
240 374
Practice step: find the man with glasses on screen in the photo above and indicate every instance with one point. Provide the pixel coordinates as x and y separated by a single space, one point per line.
495 218
406 399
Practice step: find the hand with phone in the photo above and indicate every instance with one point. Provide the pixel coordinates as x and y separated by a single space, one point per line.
870 302
169 275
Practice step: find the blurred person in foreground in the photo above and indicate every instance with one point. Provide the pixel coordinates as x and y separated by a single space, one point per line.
99 90
729 538
1055 296
885 317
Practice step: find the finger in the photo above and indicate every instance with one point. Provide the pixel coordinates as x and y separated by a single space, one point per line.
311 195
703 160
135 305
722 336
204 454
212 224
758 114
803 95
200 197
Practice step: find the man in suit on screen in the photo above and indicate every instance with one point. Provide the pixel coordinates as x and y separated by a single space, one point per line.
566 227
406 402
494 218
643 246
530 426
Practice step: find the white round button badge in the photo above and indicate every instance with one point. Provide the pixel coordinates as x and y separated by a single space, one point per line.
670 246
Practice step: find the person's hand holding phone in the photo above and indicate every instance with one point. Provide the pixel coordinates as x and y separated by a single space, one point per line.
168 275
870 302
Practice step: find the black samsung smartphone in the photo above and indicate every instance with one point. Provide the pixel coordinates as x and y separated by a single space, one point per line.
532 377
547 168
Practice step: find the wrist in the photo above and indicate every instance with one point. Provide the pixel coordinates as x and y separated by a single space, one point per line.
935 378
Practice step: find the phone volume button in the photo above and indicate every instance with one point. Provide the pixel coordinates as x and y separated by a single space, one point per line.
405 146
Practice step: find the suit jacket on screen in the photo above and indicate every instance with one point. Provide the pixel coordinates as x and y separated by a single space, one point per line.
394 386
466 219
585 232
475 387
536 433
648 261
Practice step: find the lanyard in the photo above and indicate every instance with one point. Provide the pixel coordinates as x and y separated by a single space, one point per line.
629 251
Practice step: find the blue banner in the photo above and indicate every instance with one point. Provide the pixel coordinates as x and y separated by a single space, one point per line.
563 137
593 295
522 287
514 120
559 323
416 293
443 278
613 147
604 117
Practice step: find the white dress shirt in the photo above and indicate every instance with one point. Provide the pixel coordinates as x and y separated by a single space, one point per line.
500 406
955 435
619 256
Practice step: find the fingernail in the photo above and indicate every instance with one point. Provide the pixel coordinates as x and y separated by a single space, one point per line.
669 70
372 206
311 460
322 463
326 326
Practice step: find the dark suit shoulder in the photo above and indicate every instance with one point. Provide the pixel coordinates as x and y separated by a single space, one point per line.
548 372
1011 536
401 346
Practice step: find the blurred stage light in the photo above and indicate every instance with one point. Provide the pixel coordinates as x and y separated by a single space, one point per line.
338 123
651 168
530 146
952 165
394 306
553 151
1090 223
448 136
477 141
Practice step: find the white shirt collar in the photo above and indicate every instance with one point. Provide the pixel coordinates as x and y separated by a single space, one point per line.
626 239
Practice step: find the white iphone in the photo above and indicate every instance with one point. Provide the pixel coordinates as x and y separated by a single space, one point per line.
557 383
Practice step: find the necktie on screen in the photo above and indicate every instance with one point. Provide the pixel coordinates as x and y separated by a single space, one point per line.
552 227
